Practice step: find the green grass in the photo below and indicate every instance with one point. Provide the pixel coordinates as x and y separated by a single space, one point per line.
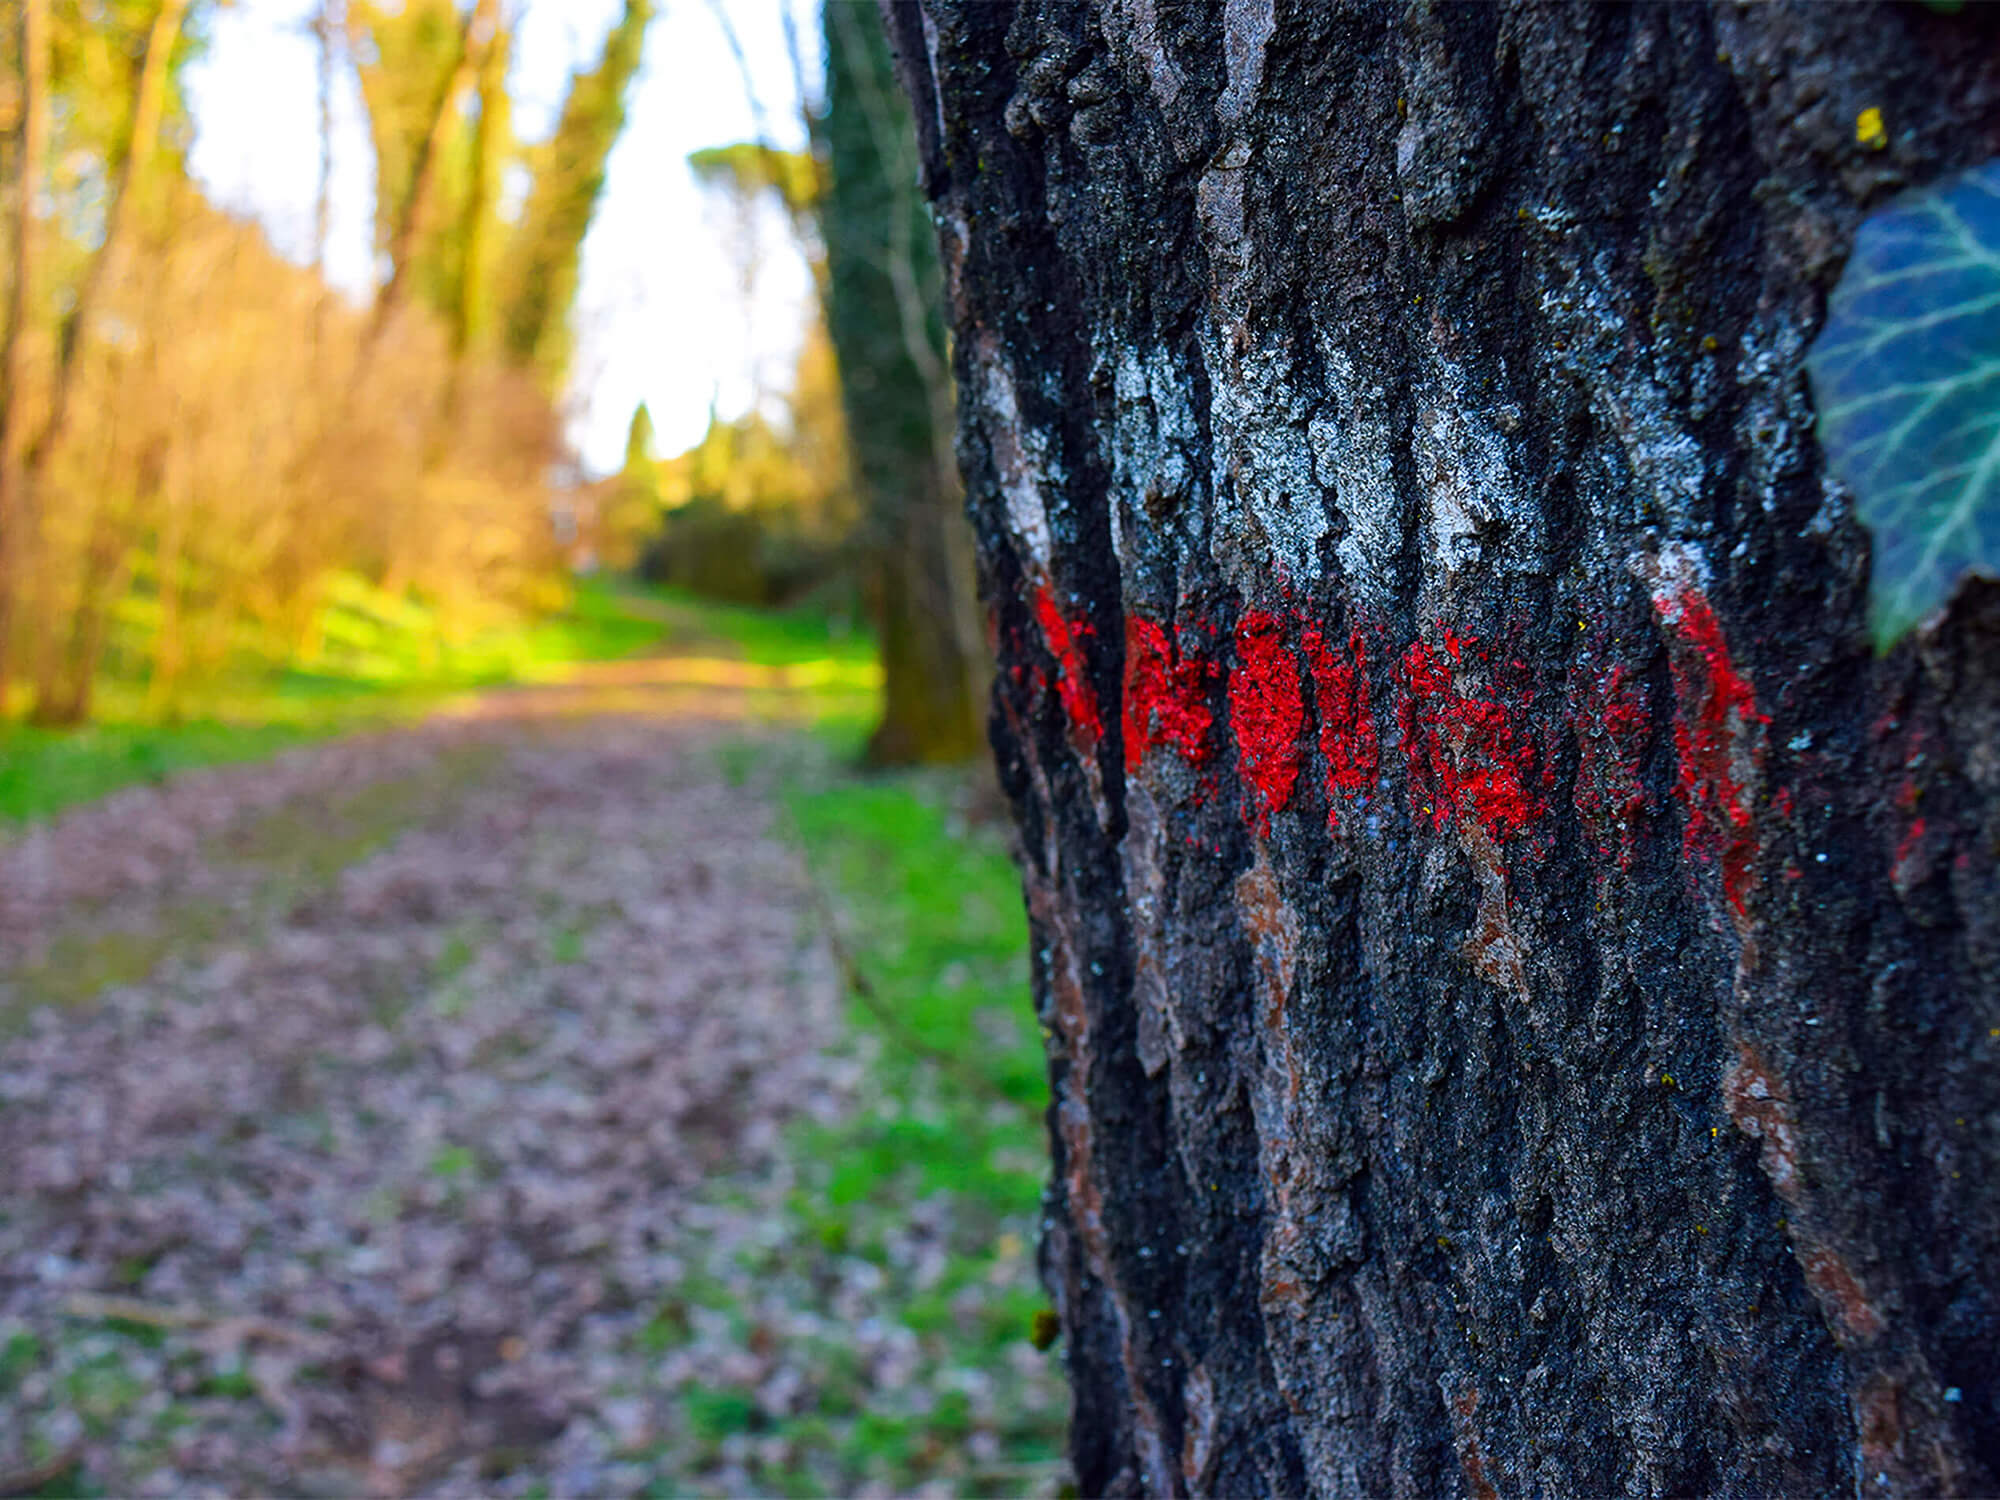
396 671
930 913
948 1123
931 916
934 919
713 1415
453 1161
21 1353
771 638
42 771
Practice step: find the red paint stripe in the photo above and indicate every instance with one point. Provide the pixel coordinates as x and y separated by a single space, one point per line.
1166 695
1347 739
1712 734
1469 756
1267 713
1065 642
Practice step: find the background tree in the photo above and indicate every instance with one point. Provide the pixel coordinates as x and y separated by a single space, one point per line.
130 99
885 314
479 228
630 508
189 491
539 275
1520 968
428 81
29 45
761 510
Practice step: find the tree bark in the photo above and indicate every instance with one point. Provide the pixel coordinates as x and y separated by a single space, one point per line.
1523 977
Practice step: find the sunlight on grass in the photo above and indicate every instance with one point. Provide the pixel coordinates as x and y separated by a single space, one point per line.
43 771
618 647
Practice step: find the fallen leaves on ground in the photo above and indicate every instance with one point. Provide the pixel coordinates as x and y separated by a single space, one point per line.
437 1130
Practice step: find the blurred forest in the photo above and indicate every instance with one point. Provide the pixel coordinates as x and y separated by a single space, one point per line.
598 1077
214 467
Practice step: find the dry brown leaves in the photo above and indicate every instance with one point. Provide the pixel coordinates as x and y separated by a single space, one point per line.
391 1156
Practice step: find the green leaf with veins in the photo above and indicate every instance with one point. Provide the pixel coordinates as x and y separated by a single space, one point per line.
1906 374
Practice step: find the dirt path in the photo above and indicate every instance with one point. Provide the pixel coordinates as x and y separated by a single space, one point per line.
372 1120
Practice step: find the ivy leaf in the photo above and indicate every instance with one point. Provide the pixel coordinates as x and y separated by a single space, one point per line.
1906 375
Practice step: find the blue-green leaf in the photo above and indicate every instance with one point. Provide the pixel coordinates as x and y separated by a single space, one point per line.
1906 375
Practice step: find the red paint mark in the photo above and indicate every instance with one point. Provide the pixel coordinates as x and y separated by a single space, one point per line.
1468 756
1347 739
1714 735
1166 695
1614 732
1065 642
1906 870
1267 712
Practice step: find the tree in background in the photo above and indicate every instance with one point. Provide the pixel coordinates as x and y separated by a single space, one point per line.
187 487
629 507
884 309
761 510
119 97
860 222
433 80
750 170
538 273
477 242
28 43
1520 964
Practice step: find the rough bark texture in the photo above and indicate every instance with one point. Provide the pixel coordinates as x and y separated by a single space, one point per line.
1523 979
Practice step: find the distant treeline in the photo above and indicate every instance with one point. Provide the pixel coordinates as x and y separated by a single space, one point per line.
202 447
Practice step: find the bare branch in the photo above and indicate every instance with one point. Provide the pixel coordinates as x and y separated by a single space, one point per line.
482 26
148 101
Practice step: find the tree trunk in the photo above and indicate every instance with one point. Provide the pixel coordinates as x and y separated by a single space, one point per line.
884 296
101 271
479 33
327 25
539 273
31 141
1523 978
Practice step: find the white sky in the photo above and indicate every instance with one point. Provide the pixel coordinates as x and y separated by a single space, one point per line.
662 315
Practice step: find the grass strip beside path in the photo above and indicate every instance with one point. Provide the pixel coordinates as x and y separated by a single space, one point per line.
614 635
